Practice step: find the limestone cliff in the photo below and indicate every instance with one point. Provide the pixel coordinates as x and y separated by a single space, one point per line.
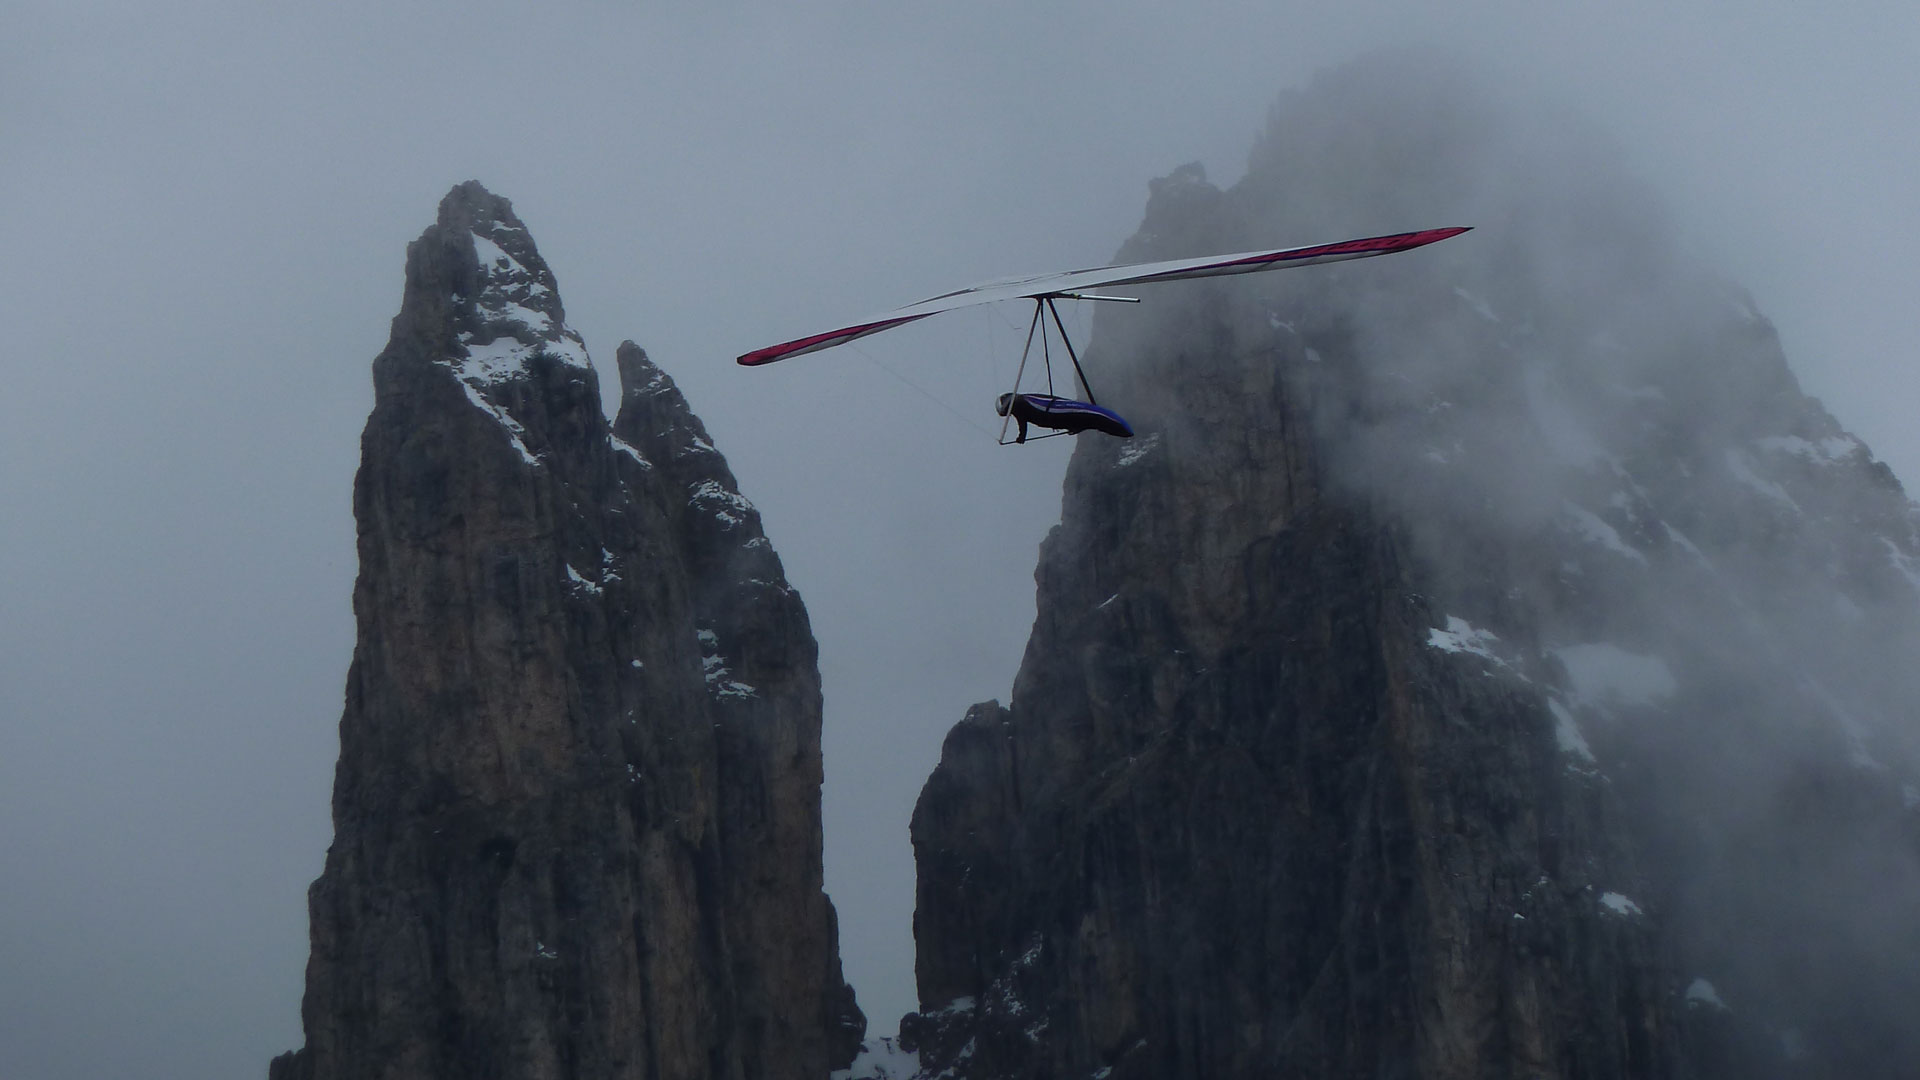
1486 662
576 813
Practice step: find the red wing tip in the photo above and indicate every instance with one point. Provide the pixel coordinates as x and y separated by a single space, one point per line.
816 342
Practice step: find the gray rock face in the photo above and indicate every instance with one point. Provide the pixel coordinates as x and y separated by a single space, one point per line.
577 818
1485 663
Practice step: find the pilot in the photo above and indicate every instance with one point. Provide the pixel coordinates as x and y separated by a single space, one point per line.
1062 414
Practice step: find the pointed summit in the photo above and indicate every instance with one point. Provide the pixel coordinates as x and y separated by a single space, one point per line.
481 303
577 808
508 304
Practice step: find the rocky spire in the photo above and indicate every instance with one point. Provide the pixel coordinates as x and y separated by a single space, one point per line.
1486 662
576 813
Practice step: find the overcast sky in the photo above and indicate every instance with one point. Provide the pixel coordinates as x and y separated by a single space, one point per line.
206 208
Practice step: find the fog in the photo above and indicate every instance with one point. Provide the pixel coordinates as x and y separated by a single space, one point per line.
1621 504
208 208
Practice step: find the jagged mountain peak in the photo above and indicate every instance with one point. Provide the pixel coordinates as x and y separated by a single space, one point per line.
652 401
638 373
1485 661
504 267
481 306
577 809
1180 207
477 272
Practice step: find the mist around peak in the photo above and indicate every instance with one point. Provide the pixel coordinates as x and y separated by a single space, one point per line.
1622 501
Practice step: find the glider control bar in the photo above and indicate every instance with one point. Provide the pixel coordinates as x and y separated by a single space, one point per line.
1089 296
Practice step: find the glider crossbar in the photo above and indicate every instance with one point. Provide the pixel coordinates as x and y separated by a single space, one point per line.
1091 296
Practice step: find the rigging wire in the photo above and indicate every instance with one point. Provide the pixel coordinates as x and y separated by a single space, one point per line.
917 388
1045 354
1038 324
1067 343
992 344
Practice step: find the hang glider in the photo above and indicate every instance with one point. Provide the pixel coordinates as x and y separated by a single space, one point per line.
1067 285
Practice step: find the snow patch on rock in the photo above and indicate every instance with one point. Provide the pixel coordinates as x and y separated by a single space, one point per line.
1828 451
515 433
1743 472
494 258
1135 449
1903 563
730 508
1567 734
583 584
1587 524
621 446
880 1059
955 1007
1701 994
720 680
1619 904
1460 636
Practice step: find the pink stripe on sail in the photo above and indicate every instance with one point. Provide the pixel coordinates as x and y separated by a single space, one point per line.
819 341
1372 245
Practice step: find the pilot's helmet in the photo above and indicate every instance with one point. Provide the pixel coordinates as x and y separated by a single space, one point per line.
1004 405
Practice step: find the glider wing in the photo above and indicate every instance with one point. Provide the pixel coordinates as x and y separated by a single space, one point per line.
1246 262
